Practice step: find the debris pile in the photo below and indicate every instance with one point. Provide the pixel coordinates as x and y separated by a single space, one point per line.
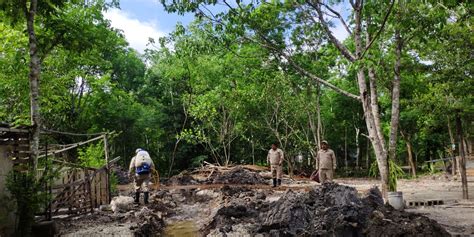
121 204
239 175
329 210
148 223
181 179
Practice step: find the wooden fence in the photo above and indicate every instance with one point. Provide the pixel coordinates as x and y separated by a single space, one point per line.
78 190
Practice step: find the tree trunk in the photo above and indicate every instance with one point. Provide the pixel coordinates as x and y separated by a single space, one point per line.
357 146
34 77
374 129
345 149
395 117
367 160
462 161
451 149
318 112
409 146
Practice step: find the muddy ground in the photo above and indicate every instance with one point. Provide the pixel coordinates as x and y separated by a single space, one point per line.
239 202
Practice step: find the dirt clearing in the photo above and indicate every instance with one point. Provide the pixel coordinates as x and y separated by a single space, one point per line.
240 202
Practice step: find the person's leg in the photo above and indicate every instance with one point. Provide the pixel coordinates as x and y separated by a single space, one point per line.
146 183
322 176
137 184
279 174
274 174
330 175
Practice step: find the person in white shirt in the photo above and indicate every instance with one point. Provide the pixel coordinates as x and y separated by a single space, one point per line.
140 170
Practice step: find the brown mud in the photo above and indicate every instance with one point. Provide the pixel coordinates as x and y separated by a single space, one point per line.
240 202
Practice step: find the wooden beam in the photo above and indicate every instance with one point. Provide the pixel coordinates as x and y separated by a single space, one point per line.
72 146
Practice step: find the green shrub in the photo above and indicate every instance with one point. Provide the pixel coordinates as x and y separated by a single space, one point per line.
29 196
395 172
92 155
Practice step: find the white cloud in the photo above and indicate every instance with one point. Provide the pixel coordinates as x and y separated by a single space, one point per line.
136 32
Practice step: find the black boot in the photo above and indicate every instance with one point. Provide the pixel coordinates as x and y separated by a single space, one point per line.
137 198
274 182
279 182
145 197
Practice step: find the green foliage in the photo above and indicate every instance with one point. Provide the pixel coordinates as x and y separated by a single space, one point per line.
395 172
28 194
221 94
92 155
197 161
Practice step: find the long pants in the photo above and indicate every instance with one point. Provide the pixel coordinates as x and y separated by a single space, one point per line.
142 180
277 171
326 175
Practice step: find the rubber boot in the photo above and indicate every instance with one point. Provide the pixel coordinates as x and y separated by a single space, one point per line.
145 197
274 182
137 198
279 182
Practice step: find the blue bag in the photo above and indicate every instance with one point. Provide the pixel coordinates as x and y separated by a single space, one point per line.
143 169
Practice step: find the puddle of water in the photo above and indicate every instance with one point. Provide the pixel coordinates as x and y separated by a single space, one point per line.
181 229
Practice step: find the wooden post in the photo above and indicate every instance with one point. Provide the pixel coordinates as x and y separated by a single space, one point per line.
107 171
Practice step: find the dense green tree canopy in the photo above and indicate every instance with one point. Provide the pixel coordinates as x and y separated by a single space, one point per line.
226 86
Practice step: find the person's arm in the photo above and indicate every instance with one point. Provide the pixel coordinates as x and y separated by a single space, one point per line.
334 160
268 157
131 169
316 163
282 157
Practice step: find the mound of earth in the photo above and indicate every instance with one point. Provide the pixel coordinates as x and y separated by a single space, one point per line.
239 175
182 179
328 210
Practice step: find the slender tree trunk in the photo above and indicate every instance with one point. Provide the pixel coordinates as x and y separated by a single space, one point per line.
318 112
451 150
395 118
462 161
367 160
345 148
357 130
34 78
409 146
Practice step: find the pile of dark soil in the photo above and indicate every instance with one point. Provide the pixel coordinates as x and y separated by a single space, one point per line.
162 201
329 210
181 179
148 223
239 175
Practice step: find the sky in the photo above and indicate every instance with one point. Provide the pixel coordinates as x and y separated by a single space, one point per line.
143 19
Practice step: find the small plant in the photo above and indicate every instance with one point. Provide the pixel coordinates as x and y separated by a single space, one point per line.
394 173
30 197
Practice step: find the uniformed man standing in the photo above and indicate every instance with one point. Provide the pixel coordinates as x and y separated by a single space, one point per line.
275 158
140 171
327 163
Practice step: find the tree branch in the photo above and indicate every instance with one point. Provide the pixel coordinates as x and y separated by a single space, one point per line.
269 45
345 52
338 16
380 29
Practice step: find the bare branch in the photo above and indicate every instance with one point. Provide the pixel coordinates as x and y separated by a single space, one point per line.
270 45
338 16
344 51
380 29
312 76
